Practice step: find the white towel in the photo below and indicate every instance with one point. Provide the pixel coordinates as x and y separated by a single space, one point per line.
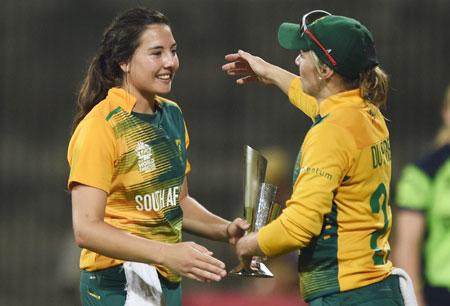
406 287
143 285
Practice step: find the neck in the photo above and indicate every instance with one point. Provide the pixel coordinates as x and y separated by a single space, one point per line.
145 102
331 87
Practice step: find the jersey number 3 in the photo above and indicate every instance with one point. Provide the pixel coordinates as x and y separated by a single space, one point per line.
379 257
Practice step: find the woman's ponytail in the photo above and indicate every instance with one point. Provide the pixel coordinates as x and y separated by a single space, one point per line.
374 86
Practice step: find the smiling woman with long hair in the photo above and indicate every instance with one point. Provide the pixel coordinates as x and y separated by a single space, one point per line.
128 169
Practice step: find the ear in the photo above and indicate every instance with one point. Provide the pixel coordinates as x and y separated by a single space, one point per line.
326 72
125 67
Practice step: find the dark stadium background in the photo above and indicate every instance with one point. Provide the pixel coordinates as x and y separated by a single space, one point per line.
45 47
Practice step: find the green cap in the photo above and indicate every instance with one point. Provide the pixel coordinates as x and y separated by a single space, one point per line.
346 40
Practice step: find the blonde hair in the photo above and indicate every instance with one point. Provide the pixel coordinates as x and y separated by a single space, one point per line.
374 86
373 83
443 135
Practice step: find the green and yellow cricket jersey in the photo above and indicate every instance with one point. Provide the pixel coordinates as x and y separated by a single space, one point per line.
338 215
140 162
425 186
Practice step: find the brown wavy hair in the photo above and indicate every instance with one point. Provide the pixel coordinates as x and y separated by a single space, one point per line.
120 39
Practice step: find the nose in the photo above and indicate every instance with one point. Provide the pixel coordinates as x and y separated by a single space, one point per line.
297 60
170 59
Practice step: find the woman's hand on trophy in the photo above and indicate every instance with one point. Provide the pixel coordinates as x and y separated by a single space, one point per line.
236 229
246 248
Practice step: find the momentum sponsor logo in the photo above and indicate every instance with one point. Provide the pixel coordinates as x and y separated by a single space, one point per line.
317 171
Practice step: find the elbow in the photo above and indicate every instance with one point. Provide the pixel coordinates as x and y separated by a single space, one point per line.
81 232
80 238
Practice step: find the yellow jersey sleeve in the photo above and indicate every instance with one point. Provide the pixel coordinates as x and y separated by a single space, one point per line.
186 137
91 154
301 100
328 151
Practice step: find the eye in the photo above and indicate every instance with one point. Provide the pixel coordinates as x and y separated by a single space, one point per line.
156 53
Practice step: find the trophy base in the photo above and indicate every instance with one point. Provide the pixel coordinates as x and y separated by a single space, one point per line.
261 271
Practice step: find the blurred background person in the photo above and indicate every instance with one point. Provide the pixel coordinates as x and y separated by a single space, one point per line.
422 231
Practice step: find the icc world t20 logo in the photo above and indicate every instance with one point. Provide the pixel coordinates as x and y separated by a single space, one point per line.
144 153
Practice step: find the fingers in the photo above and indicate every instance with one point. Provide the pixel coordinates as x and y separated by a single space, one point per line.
245 55
207 261
237 63
239 55
237 71
242 224
205 267
247 262
236 230
200 248
247 79
195 277
207 275
237 66
232 57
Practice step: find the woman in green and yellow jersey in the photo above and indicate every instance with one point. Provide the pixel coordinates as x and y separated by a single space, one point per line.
338 216
128 169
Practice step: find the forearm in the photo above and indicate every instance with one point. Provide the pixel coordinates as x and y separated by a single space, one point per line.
199 221
280 77
284 80
248 246
410 228
408 257
107 240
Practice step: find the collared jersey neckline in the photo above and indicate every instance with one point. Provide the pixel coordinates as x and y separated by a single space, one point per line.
342 99
126 100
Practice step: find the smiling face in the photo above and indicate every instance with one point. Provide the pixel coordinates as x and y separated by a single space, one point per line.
154 63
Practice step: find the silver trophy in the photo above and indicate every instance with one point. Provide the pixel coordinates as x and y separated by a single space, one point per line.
259 208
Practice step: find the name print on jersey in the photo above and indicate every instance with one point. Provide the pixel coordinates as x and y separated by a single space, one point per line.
381 153
157 200
144 153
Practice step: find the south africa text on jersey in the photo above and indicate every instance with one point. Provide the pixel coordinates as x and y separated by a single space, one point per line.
381 153
157 200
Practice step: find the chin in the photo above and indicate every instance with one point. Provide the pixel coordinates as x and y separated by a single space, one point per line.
306 90
162 90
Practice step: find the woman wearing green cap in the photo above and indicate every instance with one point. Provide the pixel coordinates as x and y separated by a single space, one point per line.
338 215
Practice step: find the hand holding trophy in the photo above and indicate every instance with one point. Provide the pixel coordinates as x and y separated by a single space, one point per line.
259 207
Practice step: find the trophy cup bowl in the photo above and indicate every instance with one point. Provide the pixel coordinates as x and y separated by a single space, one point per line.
259 208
